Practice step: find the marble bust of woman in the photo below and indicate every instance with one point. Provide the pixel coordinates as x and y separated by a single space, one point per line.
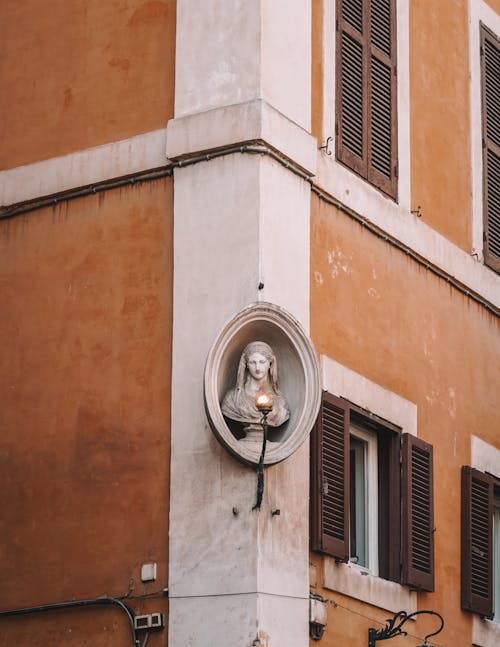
257 371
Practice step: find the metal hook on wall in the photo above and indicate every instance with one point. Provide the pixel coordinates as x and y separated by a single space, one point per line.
327 147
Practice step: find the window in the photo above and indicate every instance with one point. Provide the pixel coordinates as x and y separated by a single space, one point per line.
363 504
490 88
371 495
366 96
480 570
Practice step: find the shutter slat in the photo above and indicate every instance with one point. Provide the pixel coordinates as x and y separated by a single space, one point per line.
492 81
352 13
491 137
330 479
381 117
477 537
493 203
418 514
352 87
380 25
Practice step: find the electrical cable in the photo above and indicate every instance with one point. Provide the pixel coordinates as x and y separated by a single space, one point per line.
78 604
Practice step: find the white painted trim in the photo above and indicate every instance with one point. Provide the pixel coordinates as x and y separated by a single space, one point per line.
485 457
354 185
485 633
344 382
350 580
139 153
479 12
371 496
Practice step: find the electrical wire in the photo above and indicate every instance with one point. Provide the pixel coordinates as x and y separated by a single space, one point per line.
73 604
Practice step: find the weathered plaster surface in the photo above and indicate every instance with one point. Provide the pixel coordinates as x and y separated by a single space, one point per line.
251 120
219 240
344 382
357 583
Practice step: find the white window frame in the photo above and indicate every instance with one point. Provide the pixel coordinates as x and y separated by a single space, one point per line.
479 13
371 497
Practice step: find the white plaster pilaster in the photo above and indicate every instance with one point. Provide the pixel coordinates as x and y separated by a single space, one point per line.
242 74
228 235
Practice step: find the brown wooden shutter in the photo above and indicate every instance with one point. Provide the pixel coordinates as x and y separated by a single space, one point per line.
366 92
477 537
418 514
490 63
330 479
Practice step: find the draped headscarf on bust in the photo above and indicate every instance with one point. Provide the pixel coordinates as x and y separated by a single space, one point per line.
239 405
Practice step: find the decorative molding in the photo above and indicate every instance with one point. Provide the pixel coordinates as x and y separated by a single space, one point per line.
346 383
252 121
355 582
298 375
485 457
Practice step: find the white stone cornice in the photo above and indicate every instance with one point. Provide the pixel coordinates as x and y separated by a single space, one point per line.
238 123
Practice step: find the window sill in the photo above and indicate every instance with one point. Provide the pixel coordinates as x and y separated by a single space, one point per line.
351 580
485 632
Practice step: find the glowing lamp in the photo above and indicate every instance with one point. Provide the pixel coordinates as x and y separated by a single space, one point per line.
264 401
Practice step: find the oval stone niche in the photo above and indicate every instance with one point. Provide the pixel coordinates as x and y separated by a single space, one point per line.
298 376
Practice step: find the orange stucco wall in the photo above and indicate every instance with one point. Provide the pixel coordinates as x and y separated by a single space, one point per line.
382 315
440 117
86 294
79 74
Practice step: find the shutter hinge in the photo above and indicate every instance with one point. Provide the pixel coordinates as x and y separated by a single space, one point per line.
396 171
481 50
336 25
400 456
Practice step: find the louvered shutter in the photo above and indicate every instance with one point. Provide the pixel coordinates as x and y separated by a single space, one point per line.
330 479
477 536
418 514
490 59
366 90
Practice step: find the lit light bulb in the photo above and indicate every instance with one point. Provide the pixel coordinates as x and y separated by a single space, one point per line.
264 400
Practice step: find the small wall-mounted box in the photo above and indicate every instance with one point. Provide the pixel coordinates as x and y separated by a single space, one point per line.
150 621
148 572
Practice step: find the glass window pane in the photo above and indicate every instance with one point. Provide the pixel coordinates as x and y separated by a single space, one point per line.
358 511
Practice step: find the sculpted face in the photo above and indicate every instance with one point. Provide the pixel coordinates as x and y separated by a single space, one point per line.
258 365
